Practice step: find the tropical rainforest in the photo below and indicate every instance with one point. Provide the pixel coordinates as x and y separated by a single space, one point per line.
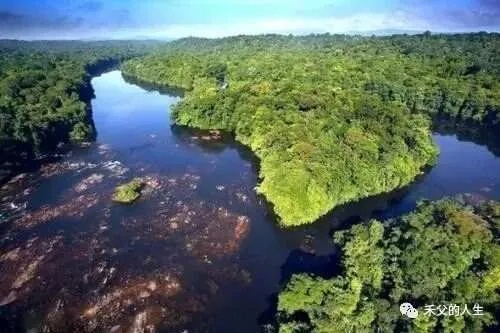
444 253
332 118
45 93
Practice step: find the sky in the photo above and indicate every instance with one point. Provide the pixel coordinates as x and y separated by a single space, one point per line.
169 19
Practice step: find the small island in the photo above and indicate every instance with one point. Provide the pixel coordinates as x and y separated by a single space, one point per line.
128 192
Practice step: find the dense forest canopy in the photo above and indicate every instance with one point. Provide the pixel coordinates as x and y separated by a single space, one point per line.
332 118
443 253
45 91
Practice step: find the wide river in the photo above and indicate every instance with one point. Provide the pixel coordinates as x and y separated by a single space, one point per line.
199 251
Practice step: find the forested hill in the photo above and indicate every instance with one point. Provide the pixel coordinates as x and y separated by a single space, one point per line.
45 92
332 118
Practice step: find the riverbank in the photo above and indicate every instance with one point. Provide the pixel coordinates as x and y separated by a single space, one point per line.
303 173
19 157
46 94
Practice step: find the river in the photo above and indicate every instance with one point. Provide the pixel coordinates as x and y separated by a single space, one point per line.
199 251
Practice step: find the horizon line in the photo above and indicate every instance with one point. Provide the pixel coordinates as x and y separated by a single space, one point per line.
368 33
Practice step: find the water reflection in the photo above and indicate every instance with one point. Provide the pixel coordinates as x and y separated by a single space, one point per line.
151 87
480 135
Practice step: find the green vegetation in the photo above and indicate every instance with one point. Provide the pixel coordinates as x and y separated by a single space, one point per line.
45 92
128 192
331 118
443 253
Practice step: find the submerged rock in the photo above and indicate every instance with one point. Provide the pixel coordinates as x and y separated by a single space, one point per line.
485 189
21 268
58 168
9 299
140 323
152 182
241 197
28 273
115 306
474 198
88 182
307 244
212 135
115 167
74 207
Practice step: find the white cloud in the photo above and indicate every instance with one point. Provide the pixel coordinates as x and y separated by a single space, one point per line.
355 23
360 22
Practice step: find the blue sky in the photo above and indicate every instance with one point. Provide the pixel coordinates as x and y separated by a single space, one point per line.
75 19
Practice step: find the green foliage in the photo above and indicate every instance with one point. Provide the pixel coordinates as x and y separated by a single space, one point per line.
322 300
442 253
217 71
332 118
128 192
45 91
81 132
491 209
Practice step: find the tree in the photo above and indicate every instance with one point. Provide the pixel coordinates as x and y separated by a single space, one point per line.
442 253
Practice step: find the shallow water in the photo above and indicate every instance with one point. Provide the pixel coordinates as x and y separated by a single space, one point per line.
199 251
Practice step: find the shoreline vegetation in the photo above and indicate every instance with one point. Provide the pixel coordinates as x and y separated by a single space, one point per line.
45 94
444 252
332 118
